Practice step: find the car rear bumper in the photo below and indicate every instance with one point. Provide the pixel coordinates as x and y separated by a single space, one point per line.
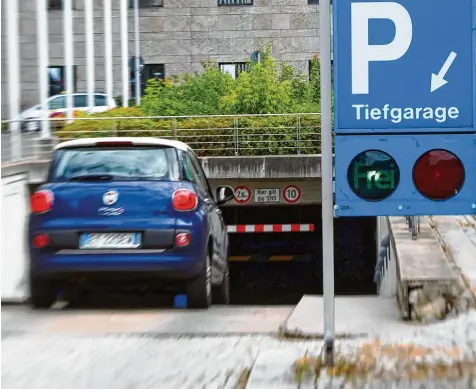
181 264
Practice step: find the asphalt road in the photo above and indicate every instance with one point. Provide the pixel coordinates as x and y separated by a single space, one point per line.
215 349
129 349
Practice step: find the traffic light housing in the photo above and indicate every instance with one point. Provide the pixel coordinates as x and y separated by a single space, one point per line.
378 175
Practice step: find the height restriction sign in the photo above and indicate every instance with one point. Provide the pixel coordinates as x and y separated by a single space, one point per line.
242 194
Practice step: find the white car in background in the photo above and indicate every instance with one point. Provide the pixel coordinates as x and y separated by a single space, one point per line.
57 104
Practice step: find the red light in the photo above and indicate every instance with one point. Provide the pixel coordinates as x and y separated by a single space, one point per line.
182 239
41 201
40 241
438 174
117 143
184 200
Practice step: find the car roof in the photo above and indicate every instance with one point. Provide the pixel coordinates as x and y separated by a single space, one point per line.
87 93
140 141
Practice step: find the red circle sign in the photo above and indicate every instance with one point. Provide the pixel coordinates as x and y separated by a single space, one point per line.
292 194
242 194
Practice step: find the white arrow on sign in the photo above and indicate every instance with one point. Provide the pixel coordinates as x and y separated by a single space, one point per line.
438 80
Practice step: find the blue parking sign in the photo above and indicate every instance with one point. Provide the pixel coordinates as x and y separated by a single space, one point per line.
406 65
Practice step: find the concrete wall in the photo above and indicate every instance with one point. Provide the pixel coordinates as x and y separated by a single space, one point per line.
254 192
289 167
14 258
178 35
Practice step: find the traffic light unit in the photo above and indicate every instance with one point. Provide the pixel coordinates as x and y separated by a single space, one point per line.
405 175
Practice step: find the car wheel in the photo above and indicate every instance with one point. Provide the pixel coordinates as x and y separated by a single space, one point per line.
199 291
42 293
221 293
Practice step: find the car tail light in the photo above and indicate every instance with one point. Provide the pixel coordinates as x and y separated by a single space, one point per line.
182 239
184 200
41 201
40 241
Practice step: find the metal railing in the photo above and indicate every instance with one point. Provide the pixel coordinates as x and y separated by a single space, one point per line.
208 135
19 147
413 223
386 271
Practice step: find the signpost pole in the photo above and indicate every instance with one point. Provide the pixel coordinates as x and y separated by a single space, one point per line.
124 54
13 75
90 57
43 77
137 50
327 180
68 54
108 48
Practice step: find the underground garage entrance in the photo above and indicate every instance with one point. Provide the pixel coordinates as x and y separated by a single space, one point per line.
279 267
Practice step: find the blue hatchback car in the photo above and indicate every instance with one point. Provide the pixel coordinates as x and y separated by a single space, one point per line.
129 208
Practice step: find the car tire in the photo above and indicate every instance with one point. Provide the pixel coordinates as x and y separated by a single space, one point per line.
42 293
199 291
221 293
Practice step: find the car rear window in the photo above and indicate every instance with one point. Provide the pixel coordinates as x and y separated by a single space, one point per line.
117 163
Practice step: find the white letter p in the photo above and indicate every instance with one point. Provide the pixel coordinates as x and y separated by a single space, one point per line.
363 53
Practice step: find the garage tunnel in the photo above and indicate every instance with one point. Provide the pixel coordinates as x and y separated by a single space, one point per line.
276 249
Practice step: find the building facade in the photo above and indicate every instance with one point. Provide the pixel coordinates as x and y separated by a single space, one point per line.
175 36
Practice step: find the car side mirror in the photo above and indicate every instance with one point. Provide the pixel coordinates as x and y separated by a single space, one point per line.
224 194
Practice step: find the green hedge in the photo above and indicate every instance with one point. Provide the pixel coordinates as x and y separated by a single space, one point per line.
209 136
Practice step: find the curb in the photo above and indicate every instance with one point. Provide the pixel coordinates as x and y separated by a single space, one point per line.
469 291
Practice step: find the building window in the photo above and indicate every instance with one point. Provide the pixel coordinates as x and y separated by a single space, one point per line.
156 71
147 3
332 69
234 2
57 5
149 71
57 79
233 68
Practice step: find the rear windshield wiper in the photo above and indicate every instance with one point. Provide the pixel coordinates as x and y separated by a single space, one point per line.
92 177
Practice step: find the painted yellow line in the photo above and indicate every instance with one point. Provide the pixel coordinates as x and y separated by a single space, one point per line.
243 258
281 258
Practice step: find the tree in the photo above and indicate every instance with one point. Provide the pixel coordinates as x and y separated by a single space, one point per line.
188 94
315 79
264 88
259 90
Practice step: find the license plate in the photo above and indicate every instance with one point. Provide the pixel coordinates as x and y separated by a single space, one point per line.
115 240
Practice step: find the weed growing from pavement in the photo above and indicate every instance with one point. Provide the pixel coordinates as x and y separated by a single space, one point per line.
243 379
390 362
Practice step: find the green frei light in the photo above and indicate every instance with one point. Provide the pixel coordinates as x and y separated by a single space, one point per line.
373 175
